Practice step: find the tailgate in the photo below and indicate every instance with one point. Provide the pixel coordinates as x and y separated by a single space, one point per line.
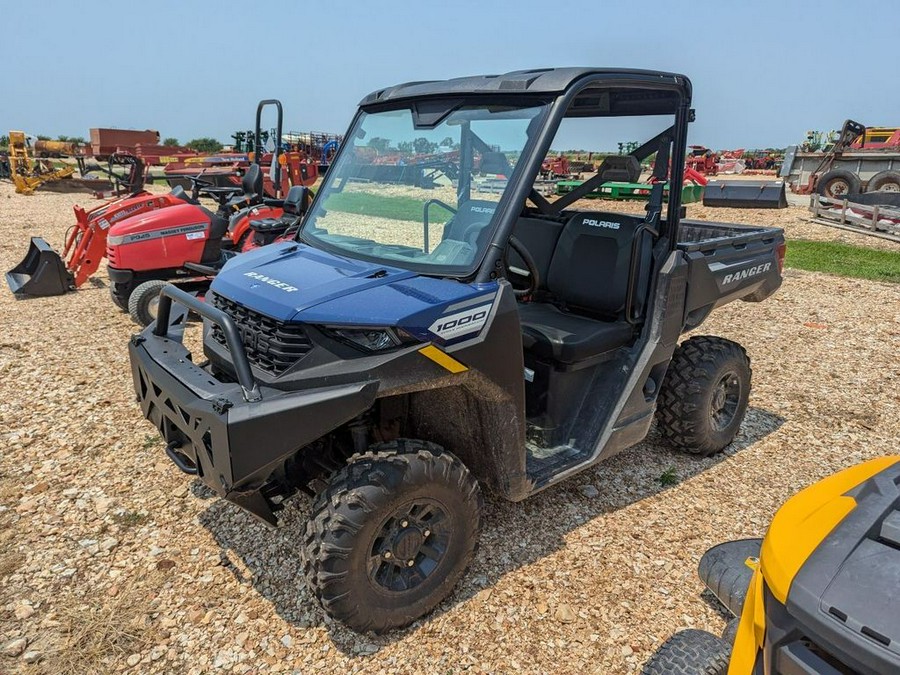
728 262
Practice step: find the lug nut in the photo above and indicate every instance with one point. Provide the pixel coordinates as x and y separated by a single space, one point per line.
426 533
387 554
404 523
410 563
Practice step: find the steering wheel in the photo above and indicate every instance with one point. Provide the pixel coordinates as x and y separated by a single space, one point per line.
534 279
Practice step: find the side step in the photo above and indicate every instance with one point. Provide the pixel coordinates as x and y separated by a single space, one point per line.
41 274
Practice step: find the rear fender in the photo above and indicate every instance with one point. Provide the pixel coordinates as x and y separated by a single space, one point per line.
240 222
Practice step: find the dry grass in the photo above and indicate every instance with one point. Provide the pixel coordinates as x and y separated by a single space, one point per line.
100 631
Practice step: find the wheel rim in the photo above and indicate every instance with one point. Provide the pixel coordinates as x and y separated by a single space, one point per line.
890 187
725 400
838 187
153 306
409 546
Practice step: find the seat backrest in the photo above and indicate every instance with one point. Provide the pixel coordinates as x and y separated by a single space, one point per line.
252 182
293 203
464 225
592 262
539 236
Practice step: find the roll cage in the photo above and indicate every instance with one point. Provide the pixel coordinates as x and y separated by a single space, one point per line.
570 92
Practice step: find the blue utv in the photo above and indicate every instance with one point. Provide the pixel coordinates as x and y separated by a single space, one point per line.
438 327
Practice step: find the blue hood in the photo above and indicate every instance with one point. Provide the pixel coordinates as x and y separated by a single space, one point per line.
292 281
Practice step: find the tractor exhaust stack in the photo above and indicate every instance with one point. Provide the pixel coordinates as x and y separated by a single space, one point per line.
41 274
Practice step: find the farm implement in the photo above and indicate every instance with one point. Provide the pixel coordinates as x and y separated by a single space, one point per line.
167 230
26 170
691 191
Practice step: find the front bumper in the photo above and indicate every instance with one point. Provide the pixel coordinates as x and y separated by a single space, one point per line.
233 436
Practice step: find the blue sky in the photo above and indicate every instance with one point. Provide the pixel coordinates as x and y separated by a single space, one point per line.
764 72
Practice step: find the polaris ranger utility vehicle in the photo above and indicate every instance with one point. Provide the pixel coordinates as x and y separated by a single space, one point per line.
416 342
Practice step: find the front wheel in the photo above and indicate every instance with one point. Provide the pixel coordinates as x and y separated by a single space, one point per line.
391 535
143 304
690 652
704 395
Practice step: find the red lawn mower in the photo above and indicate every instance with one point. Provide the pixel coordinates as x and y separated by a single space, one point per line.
202 241
188 243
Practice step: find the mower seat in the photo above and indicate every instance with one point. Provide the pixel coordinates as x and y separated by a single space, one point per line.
252 182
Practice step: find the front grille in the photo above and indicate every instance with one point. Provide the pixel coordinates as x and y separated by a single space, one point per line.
271 345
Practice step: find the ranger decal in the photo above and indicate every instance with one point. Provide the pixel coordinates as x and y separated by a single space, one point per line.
287 288
746 273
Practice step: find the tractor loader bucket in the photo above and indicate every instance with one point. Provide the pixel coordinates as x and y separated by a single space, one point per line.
746 194
42 273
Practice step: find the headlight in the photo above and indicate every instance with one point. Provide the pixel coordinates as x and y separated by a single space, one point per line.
373 339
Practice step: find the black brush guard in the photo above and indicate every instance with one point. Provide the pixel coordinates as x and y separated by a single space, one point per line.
231 435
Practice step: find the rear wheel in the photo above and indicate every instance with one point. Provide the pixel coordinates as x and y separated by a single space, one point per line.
886 181
704 394
390 536
838 183
690 652
144 302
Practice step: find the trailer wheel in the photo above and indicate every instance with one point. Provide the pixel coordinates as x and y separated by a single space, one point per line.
704 394
690 652
390 536
886 181
144 302
838 183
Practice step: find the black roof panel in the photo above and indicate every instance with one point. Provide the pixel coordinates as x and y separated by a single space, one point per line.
535 81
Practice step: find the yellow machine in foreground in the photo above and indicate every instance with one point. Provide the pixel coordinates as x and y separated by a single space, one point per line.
819 595
26 171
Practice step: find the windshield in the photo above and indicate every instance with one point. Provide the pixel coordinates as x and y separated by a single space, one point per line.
420 198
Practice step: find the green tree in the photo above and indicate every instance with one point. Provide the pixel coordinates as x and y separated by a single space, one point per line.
380 144
170 141
423 146
405 146
4 141
63 138
204 145
41 137
77 140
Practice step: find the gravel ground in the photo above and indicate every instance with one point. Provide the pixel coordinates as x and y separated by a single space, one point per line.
113 561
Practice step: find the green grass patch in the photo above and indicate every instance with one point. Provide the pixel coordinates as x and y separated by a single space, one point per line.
385 206
843 260
669 477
